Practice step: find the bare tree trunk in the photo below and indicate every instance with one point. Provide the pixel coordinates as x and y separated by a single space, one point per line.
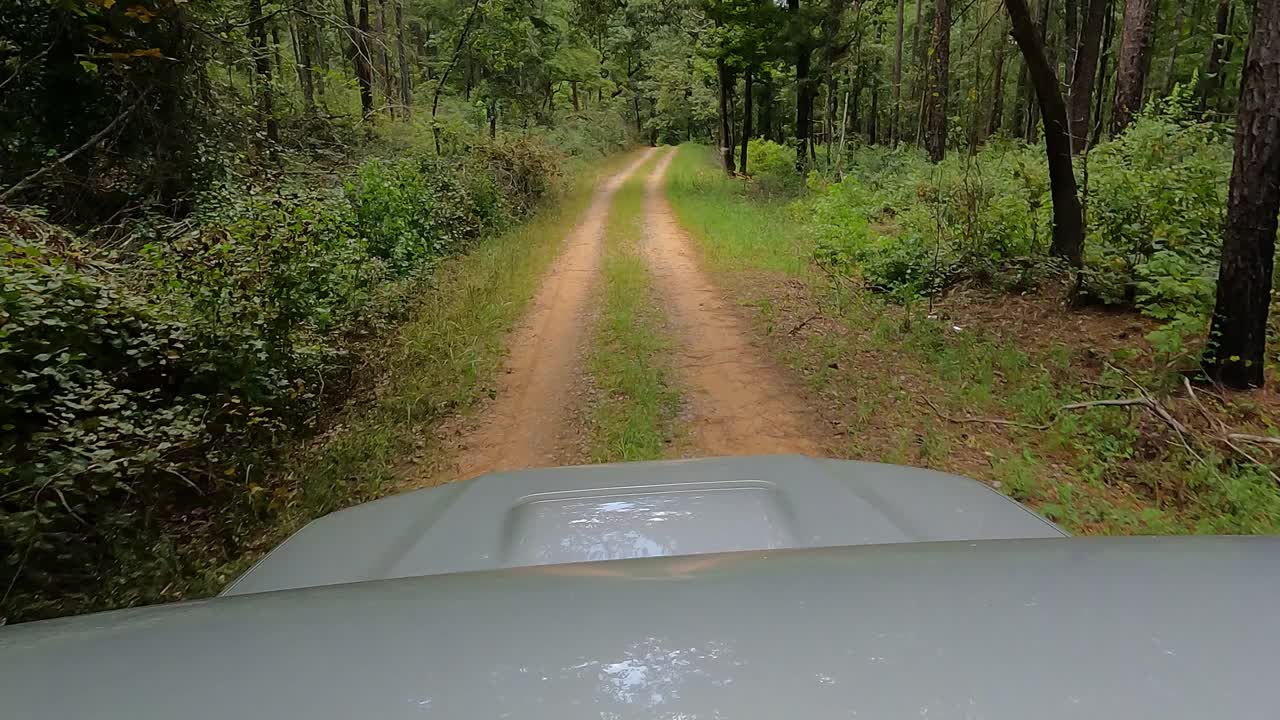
384 58
262 69
922 68
1211 80
573 88
723 78
746 118
997 84
1238 333
1071 32
357 27
766 110
1100 93
804 93
896 112
1133 58
1084 72
1068 222
939 67
406 84
302 59
1171 69
1033 108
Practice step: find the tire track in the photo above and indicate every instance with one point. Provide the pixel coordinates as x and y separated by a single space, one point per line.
739 405
524 426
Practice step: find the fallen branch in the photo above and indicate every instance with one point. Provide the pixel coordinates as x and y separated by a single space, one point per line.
1145 400
801 326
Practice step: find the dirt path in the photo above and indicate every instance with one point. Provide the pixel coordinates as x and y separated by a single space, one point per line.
739 405
524 426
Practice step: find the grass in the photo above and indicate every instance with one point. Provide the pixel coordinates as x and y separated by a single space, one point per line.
737 232
869 363
634 416
440 363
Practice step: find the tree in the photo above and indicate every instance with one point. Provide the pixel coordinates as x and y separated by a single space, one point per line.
1068 223
262 68
1238 331
358 51
1133 60
1211 80
724 78
939 66
996 117
1084 71
406 87
897 77
803 50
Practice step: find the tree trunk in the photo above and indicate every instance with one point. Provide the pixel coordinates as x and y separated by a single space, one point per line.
1135 48
1068 223
1033 108
1211 80
922 69
804 93
939 66
1171 69
1100 91
573 93
1071 32
723 78
746 118
384 58
1084 72
357 27
1238 332
406 85
997 83
896 111
302 59
766 110
262 69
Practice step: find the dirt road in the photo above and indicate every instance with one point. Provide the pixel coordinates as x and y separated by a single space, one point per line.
736 403
523 427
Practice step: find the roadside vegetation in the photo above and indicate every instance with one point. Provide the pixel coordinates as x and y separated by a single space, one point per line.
635 408
969 372
208 261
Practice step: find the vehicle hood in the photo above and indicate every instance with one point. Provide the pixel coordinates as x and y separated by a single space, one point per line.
652 509
1106 629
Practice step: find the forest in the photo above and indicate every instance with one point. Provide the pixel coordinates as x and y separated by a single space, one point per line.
252 248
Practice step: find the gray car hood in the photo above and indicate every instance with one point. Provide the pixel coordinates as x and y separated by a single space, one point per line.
1105 629
610 512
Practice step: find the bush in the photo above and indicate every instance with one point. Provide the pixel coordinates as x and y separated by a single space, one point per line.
1158 189
143 400
772 167
1155 215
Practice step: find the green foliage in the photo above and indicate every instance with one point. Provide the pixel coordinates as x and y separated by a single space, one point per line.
772 167
1157 190
141 395
1154 216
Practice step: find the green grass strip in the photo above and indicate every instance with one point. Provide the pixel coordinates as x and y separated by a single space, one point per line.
634 414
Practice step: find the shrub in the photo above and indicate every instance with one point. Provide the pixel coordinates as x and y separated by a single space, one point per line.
772 167
139 397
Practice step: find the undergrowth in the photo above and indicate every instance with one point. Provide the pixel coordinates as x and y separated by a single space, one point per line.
875 357
147 392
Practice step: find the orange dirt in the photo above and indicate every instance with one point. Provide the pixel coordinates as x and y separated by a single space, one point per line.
524 426
738 404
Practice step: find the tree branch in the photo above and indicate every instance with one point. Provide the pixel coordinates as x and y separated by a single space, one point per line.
97 137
